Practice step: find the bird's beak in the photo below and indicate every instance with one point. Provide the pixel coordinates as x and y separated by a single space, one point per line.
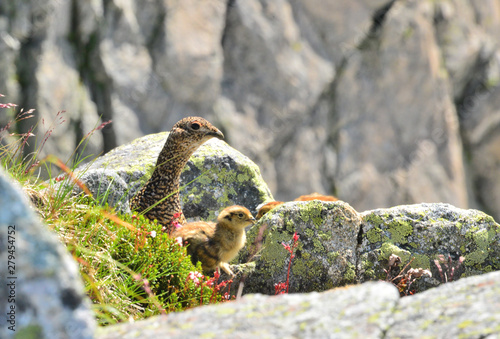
217 135
252 220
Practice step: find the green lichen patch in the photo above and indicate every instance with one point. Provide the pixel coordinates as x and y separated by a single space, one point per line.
374 235
311 211
400 230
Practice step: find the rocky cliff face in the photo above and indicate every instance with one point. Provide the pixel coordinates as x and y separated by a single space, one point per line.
379 102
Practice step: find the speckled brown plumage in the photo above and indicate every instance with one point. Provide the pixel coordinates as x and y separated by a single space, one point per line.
184 138
216 244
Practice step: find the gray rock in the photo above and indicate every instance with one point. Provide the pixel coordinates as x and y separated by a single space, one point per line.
362 312
41 279
426 159
216 176
467 308
326 253
424 232
339 246
481 120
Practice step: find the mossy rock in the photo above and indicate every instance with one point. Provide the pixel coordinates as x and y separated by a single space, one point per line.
216 176
425 232
326 253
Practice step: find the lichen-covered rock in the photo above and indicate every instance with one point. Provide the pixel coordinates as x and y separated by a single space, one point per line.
358 312
326 253
469 308
216 176
424 232
42 293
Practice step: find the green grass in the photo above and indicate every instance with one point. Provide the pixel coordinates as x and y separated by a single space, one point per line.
130 268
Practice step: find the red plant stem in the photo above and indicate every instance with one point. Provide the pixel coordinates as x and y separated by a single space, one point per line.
295 239
288 273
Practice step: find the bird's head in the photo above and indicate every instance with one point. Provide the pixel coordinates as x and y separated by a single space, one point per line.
195 129
236 217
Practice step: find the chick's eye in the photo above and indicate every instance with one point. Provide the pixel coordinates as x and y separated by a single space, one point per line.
195 126
240 215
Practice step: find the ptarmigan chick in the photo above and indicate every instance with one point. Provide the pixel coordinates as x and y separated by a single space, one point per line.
216 244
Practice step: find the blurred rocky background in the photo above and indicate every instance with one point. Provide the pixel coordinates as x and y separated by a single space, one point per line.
379 102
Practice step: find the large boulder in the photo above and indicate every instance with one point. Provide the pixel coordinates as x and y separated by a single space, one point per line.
468 308
338 245
216 176
42 292
467 241
325 256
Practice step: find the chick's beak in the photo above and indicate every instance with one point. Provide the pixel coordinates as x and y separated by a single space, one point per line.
252 220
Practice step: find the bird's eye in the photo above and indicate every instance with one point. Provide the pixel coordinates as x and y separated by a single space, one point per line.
195 125
240 215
